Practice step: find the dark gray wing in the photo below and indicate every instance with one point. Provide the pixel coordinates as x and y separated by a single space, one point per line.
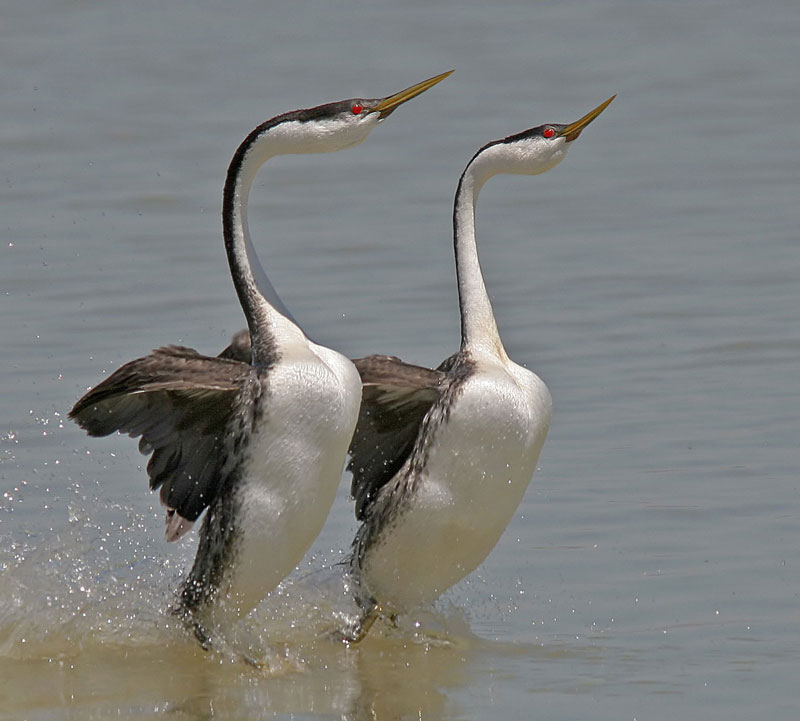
239 349
179 402
395 398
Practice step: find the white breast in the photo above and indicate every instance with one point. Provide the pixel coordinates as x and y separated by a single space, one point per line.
479 466
293 468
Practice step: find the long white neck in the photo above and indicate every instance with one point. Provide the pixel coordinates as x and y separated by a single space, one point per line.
299 132
478 327
265 311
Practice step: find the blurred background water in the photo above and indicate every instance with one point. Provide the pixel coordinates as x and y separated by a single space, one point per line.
651 280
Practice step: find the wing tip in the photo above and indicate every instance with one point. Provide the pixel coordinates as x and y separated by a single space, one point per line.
177 525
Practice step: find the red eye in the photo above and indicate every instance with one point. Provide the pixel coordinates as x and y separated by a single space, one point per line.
548 132
357 108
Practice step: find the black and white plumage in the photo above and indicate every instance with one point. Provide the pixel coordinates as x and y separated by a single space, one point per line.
259 442
441 458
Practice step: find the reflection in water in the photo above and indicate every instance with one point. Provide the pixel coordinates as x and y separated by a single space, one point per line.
407 680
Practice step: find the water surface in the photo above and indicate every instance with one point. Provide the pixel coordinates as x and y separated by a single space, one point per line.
651 280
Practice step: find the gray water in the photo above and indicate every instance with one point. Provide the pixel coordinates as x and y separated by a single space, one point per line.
652 280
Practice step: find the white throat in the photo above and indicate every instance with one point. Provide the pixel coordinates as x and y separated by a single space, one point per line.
478 325
262 304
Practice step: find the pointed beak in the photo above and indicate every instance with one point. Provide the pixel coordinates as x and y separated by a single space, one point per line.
388 105
573 130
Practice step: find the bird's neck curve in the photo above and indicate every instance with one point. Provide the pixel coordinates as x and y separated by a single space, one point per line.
267 316
478 326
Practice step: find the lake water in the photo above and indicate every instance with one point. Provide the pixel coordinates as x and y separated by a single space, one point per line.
652 571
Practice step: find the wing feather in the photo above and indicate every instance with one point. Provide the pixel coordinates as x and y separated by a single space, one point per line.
178 402
396 396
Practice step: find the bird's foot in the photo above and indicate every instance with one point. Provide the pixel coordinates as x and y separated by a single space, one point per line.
355 632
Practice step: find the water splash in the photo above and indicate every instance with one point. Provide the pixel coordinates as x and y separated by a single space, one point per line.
83 583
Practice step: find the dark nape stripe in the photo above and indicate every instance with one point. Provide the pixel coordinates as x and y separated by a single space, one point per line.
304 115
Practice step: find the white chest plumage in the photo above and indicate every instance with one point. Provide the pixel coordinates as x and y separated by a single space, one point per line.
478 466
292 469
441 513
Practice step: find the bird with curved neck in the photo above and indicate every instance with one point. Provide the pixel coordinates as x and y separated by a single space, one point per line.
441 458
258 444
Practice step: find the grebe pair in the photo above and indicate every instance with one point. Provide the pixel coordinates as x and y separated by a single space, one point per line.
258 436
